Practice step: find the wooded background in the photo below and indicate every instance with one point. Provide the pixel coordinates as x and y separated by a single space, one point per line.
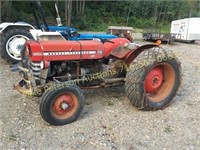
98 15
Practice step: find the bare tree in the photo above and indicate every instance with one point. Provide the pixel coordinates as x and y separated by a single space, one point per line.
192 5
68 11
129 11
80 7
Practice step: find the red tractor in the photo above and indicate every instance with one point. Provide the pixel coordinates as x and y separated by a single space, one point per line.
58 70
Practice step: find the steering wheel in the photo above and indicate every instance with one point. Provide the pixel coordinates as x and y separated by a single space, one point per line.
104 40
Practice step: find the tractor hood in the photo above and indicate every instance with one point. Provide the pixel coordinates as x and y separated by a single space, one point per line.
84 36
63 29
73 35
64 50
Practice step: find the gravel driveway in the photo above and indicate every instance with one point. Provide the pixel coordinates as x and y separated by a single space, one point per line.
108 121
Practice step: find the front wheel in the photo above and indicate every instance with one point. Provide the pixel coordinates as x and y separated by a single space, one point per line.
155 82
12 42
62 106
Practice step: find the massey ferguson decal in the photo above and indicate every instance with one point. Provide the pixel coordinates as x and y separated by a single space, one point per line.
69 53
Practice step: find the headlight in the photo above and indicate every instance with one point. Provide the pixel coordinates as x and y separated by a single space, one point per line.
42 64
100 52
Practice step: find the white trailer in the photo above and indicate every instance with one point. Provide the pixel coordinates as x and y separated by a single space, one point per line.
186 30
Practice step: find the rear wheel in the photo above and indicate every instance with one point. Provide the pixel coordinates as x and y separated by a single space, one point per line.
12 44
61 106
154 82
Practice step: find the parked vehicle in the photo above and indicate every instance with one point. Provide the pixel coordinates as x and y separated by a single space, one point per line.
14 35
121 31
154 34
58 70
186 30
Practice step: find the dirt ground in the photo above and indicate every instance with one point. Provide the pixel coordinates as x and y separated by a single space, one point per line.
108 120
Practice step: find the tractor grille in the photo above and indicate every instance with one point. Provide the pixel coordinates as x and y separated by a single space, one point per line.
35 66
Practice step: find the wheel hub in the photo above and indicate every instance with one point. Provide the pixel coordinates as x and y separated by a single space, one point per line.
153 80
63 104
15 45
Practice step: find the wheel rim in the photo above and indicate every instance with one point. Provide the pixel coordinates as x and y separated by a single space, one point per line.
159 82
65 106
14 45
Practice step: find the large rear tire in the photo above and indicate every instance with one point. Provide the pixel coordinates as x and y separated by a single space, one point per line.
62 106
153 79
12 42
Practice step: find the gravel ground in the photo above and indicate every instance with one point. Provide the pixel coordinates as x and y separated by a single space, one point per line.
108 120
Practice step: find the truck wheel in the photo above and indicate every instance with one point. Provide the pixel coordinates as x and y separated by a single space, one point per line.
152 81
61 106
12 43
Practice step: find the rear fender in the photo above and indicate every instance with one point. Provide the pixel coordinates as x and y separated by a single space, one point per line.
46 35
6 25
131 56
111 46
